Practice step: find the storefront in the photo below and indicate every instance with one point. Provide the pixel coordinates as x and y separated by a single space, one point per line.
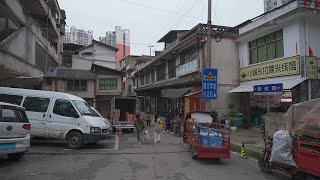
286 71
193 102
174 99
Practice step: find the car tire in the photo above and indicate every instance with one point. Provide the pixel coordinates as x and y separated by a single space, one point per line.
75 140
16 156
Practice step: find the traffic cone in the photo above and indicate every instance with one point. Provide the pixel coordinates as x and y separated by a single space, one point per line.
243 152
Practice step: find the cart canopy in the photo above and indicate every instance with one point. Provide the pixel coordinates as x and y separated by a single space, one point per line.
201 117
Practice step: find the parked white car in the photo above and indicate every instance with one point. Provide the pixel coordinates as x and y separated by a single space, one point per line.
56 115
14 131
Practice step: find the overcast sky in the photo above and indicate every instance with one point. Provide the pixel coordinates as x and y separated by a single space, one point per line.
149 20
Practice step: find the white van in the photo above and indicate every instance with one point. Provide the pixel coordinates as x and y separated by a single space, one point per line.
56 115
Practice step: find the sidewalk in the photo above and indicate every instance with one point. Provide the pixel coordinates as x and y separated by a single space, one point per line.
252 139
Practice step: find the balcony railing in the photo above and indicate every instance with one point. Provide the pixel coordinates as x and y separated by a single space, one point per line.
202 29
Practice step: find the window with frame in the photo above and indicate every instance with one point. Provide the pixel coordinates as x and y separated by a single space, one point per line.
108 84
67 60
63 108
266 48
172 68
12 99
148 77
153 74
142 80
13 115
189 55
134 82
36 104
76 85
161 71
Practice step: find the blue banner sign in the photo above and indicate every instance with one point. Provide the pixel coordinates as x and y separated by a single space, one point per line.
268 88
209 83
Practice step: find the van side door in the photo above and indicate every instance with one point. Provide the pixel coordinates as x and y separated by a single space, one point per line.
61 119
37 112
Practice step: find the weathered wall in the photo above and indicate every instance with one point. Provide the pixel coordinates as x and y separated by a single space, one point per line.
225 59
62 87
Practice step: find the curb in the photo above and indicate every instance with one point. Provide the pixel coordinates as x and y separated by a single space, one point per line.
249 152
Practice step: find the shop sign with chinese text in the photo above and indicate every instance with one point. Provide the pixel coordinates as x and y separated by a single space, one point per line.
268 89
281 67
312 67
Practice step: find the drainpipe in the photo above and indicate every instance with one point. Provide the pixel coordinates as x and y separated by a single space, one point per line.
56 85
94 93
306 25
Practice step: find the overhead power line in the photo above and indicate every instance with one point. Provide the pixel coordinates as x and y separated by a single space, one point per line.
163 10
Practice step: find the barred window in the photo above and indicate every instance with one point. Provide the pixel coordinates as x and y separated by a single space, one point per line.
76 85
108 84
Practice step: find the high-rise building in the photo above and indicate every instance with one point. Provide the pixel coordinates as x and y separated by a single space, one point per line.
110 38
78 36
120 38
272 4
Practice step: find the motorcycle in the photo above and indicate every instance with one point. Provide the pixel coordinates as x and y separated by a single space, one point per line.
269 167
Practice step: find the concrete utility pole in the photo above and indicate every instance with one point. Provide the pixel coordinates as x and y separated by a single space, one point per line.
208 64
209 35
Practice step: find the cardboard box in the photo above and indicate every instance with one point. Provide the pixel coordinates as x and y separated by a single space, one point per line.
126 115
131 118
116 110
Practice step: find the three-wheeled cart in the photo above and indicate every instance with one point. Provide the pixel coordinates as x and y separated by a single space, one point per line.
205 139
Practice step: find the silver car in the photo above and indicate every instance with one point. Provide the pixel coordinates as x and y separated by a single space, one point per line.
14 131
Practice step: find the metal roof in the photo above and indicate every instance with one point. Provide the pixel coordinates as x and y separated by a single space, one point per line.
193 93
248 86
175 93
74 74
175 82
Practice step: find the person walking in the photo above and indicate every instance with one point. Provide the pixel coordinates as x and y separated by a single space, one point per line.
148 118
168 122
139 125
158 127
178 124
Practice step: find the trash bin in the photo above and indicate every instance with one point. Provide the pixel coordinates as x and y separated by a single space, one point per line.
239 121
256 120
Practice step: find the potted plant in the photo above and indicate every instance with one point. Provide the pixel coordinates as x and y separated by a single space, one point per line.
214 115
232 114
233 126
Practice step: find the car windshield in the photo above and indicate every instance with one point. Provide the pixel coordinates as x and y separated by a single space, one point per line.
85 109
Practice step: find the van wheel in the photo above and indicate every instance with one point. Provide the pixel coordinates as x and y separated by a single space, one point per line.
16 156
75 140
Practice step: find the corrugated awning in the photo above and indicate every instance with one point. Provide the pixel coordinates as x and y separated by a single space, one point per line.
174 93
194 93
248 86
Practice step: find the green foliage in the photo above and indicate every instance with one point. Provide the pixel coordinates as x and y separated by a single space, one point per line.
232 123
232 114
231 106
214 115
